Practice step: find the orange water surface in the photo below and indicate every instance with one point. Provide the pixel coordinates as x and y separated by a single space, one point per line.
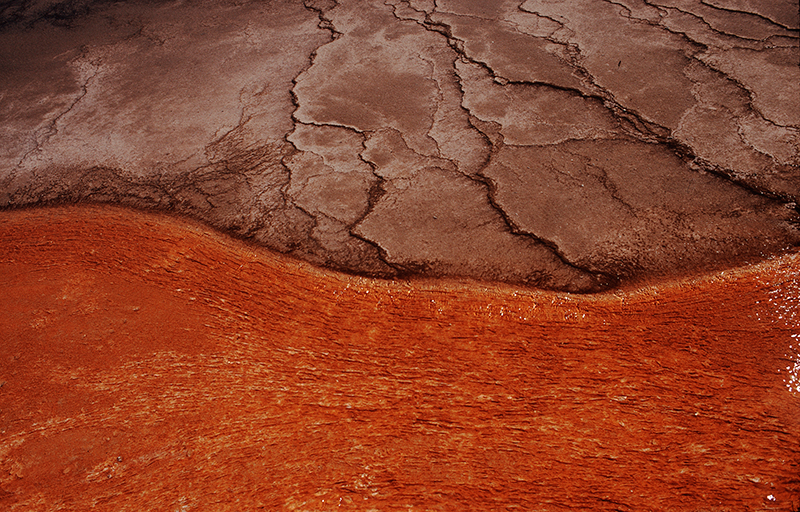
148 363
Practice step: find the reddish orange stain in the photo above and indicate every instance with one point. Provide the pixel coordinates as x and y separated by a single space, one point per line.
150 364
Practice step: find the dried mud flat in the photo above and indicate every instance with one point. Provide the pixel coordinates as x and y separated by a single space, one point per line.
568 145
148 363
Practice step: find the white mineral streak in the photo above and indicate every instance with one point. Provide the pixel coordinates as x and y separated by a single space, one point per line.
784 306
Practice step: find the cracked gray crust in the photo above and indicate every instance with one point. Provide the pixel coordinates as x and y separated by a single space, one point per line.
574 145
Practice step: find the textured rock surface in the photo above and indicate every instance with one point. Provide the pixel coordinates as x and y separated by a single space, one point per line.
568 145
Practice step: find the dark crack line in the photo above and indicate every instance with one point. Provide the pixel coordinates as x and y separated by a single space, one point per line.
606 280
407 4
630 121
731 176
208 149
755 14
330 125
244 118
362 134
483 135
630 15
284 189
454 74
52 129
644 130
686 153
640 126
439 103
111 182
660 26
750 94
679 148
743 137
722 32
550 37
324 22
314 219
456 45
562 23
399 270
698 17
609 185
376 190
374 195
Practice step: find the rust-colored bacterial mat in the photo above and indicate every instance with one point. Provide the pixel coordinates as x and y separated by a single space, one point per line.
148 363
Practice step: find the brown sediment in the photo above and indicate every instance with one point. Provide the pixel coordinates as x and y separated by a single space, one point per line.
148 363
515 141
